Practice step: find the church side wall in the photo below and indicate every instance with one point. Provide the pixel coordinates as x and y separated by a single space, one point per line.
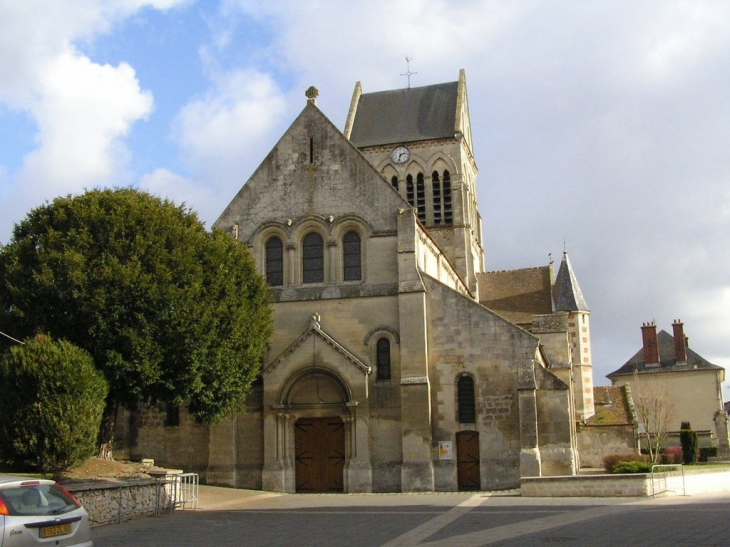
466 338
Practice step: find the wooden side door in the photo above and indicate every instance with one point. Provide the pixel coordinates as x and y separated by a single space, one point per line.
467 460
319 445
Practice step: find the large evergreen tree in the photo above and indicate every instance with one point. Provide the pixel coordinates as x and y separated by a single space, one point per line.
169 311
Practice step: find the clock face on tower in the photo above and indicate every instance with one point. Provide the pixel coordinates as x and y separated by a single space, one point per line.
400 154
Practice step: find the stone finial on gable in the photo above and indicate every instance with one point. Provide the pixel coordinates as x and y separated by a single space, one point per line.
312 93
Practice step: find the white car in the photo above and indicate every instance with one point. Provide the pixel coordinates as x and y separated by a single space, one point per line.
40 512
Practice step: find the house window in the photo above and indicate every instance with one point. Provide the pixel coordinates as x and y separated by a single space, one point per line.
467 403
313 258
274 262
351 256
383 359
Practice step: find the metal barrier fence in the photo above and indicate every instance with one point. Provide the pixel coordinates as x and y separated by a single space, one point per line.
666 481
178 491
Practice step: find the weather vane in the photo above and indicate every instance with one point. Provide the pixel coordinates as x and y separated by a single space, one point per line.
408 73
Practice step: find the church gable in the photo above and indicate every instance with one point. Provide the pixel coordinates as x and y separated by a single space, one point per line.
312 172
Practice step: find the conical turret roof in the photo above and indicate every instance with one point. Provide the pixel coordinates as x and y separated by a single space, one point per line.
566 291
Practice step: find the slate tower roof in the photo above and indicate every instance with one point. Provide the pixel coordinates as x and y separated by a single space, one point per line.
567 295
405 115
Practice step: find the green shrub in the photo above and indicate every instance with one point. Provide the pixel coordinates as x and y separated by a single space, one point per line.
671 455
690 443
52 403
610 461
707 452
633 467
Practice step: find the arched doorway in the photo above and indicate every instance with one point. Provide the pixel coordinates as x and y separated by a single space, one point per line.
318 400
467 460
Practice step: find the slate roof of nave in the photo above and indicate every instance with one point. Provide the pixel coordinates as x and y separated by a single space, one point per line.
667 360
517 295
405 115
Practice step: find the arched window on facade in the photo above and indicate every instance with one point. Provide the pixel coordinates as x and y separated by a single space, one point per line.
382 361
313 259
394 181
275 262
352 259
466 400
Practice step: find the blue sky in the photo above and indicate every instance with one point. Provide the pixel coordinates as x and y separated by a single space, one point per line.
601 124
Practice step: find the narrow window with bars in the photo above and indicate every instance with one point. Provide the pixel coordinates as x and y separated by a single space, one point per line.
394 181
313 259
275 262
466 400
352 257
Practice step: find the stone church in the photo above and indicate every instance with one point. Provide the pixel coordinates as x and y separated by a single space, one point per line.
398 363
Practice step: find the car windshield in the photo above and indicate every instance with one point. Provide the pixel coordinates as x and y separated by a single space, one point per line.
37 499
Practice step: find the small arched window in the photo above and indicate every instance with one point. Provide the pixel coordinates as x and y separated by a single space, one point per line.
313 259
466 400
274 262
351 256
383 359
421 197
394 181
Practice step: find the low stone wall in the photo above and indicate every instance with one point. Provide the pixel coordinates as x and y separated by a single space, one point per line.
696 481
112 501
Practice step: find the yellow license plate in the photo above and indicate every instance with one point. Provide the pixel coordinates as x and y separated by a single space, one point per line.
53 531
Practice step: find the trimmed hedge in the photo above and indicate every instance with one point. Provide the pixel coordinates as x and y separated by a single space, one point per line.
632 467
610 461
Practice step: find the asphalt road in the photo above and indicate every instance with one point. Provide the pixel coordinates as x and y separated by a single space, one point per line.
254 519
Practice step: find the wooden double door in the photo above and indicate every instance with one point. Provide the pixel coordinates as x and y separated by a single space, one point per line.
319 445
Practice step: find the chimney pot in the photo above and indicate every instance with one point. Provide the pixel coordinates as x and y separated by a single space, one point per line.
680 342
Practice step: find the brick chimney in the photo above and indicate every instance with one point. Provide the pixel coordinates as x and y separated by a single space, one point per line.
680 342
651 343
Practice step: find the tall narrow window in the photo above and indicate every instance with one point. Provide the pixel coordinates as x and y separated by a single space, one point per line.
448 214
313 259
410 191
467 404
421 197
274 262
383 359
436 183
351 256
394 181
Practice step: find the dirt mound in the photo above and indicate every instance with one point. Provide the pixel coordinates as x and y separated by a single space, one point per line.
96 468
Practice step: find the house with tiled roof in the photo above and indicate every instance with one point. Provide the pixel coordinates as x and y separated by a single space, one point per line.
692 382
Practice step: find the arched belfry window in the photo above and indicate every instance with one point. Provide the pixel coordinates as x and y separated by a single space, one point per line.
410 191
436 184
382 350
313 258
394 181
275 262
421 197
466 400
448 214
352 258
